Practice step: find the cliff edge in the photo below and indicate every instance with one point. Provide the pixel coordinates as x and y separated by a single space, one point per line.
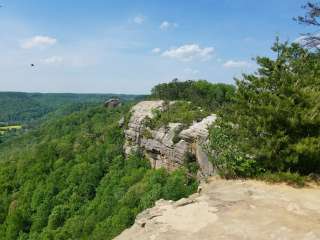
233 210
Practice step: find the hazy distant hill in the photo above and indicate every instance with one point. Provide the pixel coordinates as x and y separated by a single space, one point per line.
25 107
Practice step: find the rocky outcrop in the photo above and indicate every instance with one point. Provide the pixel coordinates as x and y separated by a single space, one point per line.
139 112
169 145
112 103
233 210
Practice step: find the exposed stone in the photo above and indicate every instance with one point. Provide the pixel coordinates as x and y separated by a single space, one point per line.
159 146
183 202
112 103
203 161
233 209
135 127
199 130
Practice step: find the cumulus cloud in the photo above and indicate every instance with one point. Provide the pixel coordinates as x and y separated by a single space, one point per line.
156 50
237 64
53 60
189 52
139 19
38 41
165 25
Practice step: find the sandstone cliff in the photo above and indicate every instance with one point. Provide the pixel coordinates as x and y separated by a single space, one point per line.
233 210
159 145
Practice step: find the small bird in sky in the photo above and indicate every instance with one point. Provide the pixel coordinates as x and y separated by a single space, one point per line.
31 65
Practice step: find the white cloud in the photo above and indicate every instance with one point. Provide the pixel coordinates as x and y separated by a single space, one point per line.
156 50
165 25
38 41
237 64
189 52
53 60
139 19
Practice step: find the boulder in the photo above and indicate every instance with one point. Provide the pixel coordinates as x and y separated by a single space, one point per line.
198 130
112 103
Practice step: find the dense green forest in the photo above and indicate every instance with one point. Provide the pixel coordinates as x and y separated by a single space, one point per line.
201 93
69 179
17 107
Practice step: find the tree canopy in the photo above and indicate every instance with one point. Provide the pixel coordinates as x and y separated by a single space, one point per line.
19 107
201 92
275 116
69 179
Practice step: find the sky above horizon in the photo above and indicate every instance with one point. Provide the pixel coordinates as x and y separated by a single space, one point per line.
128 46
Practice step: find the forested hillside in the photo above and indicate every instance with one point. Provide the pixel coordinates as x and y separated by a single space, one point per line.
201 93
69 179
25 107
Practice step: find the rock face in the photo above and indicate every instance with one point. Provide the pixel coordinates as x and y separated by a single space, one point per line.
112 103
135 126
160 146
233 210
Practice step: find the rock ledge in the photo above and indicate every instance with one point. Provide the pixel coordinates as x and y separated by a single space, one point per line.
233 210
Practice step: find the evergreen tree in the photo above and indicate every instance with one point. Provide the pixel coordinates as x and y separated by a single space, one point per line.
276 112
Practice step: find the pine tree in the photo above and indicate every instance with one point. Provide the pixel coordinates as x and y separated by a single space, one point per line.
276 111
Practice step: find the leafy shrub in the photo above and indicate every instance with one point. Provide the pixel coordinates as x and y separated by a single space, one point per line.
57 217
178 112
227 158
179 185
146 133
190 163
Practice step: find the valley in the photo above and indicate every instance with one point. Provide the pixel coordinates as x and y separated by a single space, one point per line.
160 120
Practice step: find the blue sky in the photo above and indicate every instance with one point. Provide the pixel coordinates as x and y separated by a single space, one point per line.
128 46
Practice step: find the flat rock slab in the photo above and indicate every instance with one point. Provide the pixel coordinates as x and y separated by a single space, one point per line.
233 210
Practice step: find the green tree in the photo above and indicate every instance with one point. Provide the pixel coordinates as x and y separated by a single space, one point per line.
201 93
275 116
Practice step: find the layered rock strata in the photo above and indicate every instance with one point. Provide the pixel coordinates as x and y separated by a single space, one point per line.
168 145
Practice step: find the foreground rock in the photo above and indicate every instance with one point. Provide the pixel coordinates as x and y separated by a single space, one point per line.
233 210
169 145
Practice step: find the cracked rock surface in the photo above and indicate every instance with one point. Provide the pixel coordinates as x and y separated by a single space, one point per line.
233 210
159 146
